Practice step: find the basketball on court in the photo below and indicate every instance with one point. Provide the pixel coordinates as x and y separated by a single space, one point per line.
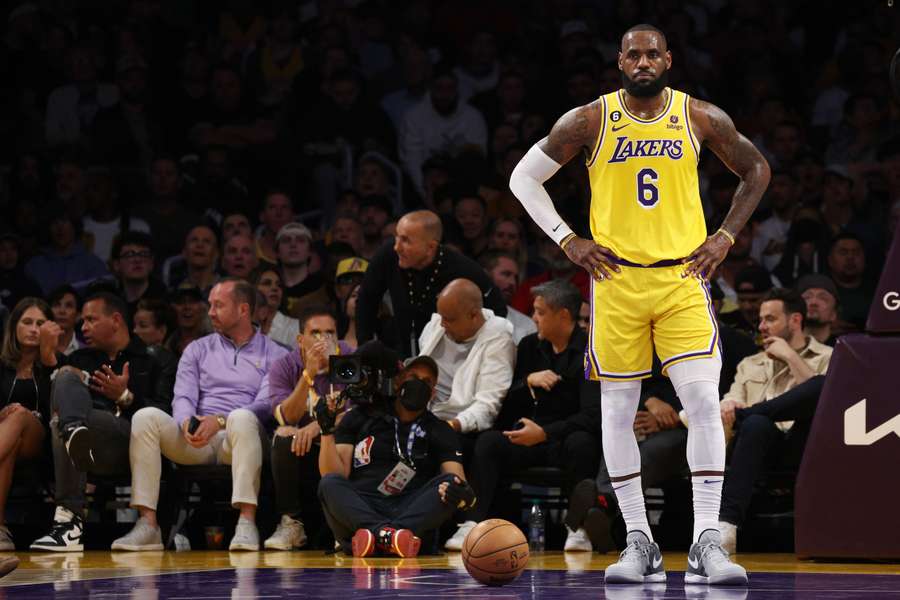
495 552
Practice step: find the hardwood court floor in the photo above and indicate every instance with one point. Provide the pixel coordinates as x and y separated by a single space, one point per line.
201 575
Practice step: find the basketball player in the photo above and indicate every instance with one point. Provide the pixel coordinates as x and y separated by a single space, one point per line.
650 259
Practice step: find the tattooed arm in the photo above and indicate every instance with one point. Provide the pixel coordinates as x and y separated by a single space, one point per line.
576 131
716 129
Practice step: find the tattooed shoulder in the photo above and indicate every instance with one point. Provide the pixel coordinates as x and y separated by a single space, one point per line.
714 124
573 132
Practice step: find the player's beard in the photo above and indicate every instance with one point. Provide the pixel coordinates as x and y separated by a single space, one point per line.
645 89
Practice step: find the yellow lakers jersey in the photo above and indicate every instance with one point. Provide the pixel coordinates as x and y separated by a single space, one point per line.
645 198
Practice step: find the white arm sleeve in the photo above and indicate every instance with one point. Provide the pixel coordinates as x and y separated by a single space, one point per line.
527 183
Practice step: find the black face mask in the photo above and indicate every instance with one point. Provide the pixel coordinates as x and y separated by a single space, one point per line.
414 395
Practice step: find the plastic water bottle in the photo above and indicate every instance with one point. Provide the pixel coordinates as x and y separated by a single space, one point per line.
536 528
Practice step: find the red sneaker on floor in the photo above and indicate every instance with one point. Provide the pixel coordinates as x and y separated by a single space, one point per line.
401 542
363 543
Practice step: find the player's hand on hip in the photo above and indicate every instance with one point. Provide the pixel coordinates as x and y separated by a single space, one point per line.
597 260
704 260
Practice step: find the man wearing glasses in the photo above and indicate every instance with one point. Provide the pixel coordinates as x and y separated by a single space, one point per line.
132 263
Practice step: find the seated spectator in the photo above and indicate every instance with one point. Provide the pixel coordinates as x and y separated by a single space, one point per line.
847 267
412 271
133 265
507 234
14 284
218 191
372 502
235 223
375 212
200 253
302 287
170 221
128 134
821 297
475 354
503 270
470 214
751 284
584 316
806 249
770 404
281 328
239 257
348 277
106 218
29 338
292 387
551 414
153 321
65 260
220 392
348 230
277 211
71 108
558 266
440 123
737 260
349 317
771 235
736 345
94 396
191 319
65 306
348 274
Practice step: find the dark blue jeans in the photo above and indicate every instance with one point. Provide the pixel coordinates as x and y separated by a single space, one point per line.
759 445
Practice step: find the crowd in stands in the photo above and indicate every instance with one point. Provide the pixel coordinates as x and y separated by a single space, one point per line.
201 202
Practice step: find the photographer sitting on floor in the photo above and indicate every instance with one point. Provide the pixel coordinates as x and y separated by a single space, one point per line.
391 470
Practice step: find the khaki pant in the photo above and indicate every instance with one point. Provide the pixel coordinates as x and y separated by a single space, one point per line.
155 433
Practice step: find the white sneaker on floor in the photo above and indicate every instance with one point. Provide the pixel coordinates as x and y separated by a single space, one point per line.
709 563
64 536
288 535
141 538
577 541
455 542
246 536
728 532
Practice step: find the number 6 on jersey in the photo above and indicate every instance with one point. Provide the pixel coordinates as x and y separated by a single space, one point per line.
647 192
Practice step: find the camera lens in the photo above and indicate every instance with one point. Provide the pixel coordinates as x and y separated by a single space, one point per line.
347 371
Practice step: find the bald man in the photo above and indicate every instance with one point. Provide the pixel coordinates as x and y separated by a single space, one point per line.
475 354
412 271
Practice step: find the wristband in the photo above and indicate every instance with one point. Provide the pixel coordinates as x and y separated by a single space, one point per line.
279 417
727 235
567 239
307 378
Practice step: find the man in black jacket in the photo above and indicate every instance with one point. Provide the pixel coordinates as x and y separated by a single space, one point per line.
413 271
94 396
551 413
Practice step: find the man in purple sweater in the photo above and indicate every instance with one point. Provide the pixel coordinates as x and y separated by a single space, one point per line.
218 380
292 387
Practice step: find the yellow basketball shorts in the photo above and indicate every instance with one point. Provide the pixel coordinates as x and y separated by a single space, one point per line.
640 309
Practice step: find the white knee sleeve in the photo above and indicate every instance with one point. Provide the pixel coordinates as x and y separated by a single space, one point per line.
618 405
697 385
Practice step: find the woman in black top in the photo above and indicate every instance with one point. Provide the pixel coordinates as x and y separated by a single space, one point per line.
24 392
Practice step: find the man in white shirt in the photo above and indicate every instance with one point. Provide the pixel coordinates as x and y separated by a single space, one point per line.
440 123
475 354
